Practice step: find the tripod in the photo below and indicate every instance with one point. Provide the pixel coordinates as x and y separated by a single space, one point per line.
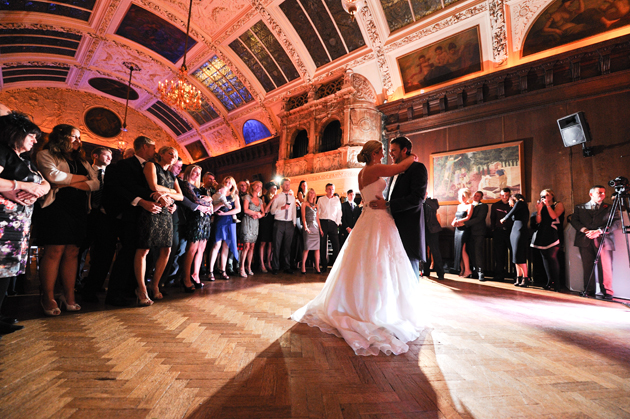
621 201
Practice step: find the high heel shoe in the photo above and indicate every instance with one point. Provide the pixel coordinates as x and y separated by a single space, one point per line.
518 281
155 295
210 276
242 273
524 283
52 313
188 290
303 272
143 298
263 270
69 307
250 272
223 275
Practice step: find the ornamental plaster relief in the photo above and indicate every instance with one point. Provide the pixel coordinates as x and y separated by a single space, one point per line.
282 38
109 15
496 9
236 26
377 46
111 56
523 14
51 106
364 92
220 141
295 168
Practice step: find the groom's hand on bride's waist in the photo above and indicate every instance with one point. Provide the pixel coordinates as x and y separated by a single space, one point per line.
378 203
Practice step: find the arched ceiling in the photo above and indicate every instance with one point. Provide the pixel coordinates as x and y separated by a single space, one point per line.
246 56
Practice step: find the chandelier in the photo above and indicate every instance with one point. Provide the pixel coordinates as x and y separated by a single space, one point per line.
180 93
351 7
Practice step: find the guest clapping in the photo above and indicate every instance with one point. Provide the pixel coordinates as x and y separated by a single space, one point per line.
62 221
253 212
155 230
20 185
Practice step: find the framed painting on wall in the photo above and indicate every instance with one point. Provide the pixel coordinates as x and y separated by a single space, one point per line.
448 59
197 151
488 169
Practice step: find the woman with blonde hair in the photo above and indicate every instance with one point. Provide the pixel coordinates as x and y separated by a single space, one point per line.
156 230
62 220
252 212
312 229
464 211
197 228
225 227
371 296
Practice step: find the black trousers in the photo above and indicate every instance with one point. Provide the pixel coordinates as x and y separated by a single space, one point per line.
122 280
282 238
331 231
433 241
475 250
104 231
500 245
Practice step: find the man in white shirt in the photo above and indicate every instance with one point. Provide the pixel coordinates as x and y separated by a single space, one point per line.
329 207
284 213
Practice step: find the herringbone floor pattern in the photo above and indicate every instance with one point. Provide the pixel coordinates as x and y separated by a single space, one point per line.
229 351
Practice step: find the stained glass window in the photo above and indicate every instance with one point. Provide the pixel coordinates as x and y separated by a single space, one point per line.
223 83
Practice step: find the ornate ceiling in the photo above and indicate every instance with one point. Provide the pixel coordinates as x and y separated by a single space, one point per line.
246 56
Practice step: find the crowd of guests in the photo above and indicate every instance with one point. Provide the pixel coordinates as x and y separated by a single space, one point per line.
161 223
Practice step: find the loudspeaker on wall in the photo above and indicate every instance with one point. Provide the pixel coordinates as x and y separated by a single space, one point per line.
574 129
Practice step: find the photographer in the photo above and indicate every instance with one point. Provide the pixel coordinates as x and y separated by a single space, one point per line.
547 221
589 221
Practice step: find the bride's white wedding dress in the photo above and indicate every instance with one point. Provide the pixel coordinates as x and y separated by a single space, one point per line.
371 297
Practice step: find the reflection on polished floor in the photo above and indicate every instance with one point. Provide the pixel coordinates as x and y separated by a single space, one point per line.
229 351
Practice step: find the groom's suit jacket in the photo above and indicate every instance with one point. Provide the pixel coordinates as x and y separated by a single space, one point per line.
406 205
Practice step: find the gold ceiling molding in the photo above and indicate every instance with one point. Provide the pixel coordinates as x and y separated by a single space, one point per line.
377 47
523 14
496 9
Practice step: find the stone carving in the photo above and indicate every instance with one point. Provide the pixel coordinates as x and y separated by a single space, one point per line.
295 168
51 106
353 152
328 161
363 89
107 19
445 23
496 9
523 14
377 46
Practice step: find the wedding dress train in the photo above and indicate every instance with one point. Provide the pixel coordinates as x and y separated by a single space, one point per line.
371 297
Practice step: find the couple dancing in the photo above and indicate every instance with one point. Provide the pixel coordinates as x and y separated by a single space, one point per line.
371 297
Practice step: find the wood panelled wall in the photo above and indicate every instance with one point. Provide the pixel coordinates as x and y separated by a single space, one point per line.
255 162
524 103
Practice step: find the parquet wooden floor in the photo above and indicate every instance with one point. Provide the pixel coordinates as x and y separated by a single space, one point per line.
230 351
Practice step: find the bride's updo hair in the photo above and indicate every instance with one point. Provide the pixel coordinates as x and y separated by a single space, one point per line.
365 156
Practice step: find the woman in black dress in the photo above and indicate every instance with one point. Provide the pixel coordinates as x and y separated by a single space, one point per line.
20 185
265 229
548 228
519 238
156 230
62 220
461 264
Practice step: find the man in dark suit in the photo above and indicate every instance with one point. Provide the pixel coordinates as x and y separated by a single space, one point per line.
589 221
350 213
126 193
405 197
477 225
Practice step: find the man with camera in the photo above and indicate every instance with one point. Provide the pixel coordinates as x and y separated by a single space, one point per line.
589 221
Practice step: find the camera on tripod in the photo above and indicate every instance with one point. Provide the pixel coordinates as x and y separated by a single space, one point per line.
621 185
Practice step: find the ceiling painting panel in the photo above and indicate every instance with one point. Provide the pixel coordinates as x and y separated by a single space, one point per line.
253 65
275 49
348 27
260 52
305 31
154 33
326 28
78 9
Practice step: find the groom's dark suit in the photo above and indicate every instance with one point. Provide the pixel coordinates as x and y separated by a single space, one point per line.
406 205
124 183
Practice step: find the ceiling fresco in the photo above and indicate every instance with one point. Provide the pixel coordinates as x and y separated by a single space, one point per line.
247 57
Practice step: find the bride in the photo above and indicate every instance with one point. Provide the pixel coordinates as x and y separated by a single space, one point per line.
371 297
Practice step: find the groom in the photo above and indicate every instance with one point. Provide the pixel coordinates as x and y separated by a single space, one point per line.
405 196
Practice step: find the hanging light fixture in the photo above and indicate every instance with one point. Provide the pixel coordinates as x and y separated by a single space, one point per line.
180 93
351 7
122 144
